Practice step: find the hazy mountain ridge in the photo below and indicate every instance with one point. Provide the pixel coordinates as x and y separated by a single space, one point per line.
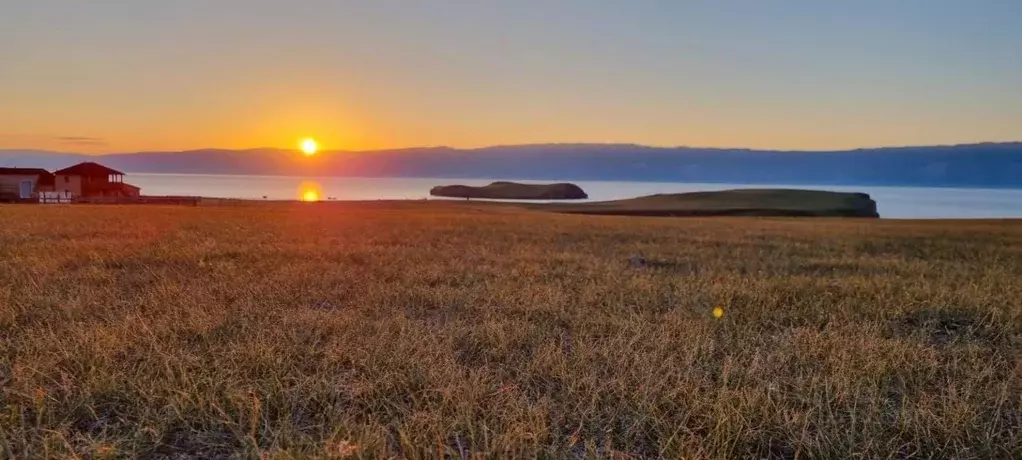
971 165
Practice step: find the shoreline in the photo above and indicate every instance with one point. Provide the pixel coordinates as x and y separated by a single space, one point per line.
497 204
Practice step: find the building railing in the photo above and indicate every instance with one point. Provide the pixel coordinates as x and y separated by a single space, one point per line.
56 197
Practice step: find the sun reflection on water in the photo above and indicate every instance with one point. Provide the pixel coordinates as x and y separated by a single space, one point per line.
310 191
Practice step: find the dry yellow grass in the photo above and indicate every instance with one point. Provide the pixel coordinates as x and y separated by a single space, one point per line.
422 330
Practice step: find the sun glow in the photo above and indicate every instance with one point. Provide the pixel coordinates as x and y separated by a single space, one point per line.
309 146
310 191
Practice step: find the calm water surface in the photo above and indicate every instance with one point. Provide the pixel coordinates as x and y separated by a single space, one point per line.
893 202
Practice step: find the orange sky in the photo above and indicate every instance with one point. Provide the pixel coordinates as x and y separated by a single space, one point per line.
154 75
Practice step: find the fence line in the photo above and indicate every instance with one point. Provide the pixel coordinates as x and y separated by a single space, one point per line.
56 197
177 200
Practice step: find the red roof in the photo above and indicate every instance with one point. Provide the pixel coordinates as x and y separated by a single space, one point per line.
22 171
45 177
88 169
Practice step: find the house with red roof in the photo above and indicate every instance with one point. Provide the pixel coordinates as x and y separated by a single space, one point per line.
83 180
90 180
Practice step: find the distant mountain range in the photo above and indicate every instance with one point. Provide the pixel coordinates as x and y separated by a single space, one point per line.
995 165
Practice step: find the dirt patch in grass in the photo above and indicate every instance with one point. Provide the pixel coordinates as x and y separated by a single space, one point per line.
956 327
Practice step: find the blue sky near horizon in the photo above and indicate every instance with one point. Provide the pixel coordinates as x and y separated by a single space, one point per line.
115 76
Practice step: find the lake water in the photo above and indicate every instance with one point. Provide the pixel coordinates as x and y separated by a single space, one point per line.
893 202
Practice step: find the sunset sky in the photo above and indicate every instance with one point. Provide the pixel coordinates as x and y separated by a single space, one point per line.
118 76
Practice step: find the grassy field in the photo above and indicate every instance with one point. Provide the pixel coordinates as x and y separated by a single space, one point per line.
420 330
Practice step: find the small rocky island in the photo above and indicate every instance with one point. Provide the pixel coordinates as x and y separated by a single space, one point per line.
512 191
743 202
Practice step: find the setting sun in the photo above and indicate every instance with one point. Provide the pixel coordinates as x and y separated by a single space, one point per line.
309 146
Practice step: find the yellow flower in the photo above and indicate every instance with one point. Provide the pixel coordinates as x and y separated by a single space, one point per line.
718 312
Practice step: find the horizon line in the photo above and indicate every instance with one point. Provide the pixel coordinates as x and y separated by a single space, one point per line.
530 144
